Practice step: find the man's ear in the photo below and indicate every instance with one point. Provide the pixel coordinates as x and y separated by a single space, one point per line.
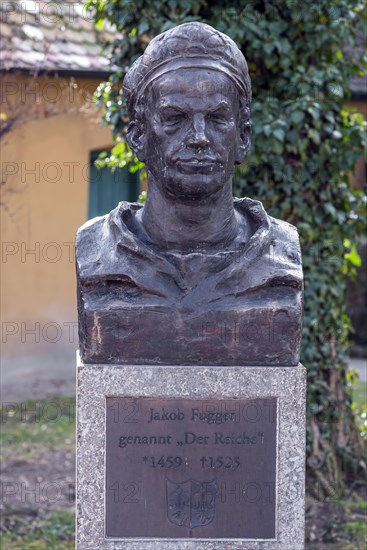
135 137
244 143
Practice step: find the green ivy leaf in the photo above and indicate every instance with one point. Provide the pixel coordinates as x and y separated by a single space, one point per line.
352 256
297 117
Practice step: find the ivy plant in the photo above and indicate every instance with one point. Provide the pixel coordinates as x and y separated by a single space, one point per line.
306 141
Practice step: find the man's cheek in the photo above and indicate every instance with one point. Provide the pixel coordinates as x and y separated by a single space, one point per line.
162 144
157 143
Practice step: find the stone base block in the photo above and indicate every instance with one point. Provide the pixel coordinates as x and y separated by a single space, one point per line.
228 445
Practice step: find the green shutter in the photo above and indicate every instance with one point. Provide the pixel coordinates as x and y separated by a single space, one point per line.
107 188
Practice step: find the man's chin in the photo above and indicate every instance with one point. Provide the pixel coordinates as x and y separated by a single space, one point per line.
193 187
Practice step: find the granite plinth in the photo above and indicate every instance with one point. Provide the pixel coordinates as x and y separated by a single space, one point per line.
98 383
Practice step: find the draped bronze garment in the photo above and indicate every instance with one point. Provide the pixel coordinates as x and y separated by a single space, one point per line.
138 304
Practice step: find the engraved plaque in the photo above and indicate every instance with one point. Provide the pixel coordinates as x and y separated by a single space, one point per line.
185 468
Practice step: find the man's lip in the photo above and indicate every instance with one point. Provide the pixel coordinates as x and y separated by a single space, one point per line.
192 166
197 161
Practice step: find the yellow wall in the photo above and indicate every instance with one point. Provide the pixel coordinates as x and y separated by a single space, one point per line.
45 198
41 211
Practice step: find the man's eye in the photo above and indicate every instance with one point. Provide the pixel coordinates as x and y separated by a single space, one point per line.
171 120
216 118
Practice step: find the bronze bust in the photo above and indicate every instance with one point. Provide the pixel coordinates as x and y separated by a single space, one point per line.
194 276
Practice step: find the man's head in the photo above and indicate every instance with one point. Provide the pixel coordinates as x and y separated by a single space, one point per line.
189 100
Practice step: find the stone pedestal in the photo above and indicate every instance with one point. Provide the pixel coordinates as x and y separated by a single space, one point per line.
253 422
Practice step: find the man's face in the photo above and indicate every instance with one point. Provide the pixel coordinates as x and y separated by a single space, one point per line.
192 132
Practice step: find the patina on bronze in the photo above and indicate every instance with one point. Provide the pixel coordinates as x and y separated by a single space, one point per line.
183 468
193 276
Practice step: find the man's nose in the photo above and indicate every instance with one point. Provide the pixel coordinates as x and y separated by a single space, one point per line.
197 135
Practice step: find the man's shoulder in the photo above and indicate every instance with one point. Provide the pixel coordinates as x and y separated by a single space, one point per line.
92 243
282 235
96 240
284 230
285 241
280 228
91 229
88 248
98 228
